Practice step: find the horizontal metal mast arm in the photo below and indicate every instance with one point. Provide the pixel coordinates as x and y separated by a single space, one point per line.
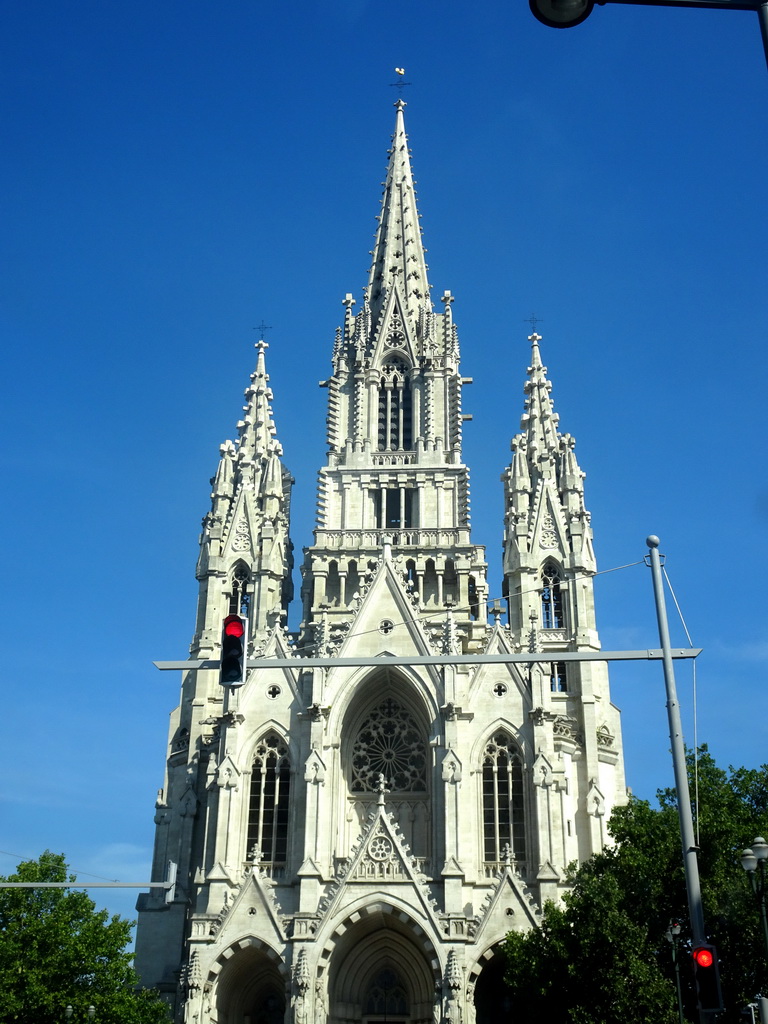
442 659
719 5
85 885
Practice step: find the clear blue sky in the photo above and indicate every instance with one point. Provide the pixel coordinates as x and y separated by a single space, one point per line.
174 173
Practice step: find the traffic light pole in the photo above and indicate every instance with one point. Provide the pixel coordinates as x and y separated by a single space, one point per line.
690 862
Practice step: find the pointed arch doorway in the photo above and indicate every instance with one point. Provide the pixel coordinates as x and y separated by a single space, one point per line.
386 1001
381 972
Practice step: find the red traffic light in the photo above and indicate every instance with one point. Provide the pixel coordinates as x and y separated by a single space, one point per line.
703 956
233 626
233 663
707 978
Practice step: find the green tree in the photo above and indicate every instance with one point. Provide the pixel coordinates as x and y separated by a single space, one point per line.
58 950
602 957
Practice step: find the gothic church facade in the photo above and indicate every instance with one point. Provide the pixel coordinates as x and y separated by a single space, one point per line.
354 841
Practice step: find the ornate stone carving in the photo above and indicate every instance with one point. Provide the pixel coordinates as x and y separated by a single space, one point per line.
548 537
241 540
389 744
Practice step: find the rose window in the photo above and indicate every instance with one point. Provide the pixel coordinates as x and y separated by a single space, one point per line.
390 744
380 848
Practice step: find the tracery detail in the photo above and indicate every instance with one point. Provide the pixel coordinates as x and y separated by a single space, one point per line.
503 806
390 744
552 614
387 996
269 802
395 408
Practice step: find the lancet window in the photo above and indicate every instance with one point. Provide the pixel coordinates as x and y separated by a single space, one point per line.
386 996
395 508
558 680
552 616
389 743
503 803
239 597
269 800
395 408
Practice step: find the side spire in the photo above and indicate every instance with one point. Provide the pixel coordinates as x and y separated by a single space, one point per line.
398 254
546 522
539 421
245 551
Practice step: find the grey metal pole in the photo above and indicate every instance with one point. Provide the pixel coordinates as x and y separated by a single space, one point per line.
762 13
690 863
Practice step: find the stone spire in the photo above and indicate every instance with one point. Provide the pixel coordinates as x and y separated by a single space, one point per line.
544 494
398 255
395 472
244 546
253 462
539 421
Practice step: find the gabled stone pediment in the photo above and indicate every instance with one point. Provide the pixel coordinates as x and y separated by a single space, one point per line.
510 906
595 800
381 861
314 767
240 530
251 904
275 645
227 774
452 767
393 336
549 536
386 621
504 674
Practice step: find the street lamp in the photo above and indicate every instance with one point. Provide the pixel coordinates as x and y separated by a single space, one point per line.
566 13
753 862
673 936
68 1011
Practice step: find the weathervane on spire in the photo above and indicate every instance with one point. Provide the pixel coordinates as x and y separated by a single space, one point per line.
533 320
399 82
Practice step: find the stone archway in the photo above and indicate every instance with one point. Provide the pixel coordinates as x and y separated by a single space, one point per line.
386 732
382 969
492 1000
251 987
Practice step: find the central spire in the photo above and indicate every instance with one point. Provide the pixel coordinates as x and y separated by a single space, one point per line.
398 255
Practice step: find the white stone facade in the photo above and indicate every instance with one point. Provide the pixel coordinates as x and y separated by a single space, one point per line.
355 842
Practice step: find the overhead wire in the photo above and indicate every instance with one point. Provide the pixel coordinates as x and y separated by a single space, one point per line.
431 615
695 707
90 874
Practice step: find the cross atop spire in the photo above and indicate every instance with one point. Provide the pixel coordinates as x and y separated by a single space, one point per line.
539 421
398 254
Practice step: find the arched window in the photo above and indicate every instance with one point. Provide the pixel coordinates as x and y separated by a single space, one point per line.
503 807
386 996
411 576
389 743
353 581
333 585
395 408
558 678
551 597
239 596
268 808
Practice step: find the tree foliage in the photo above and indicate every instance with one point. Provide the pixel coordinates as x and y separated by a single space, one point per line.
58 950
602 957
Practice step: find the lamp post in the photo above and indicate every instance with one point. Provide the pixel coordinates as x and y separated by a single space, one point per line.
566 13
753 862
673 936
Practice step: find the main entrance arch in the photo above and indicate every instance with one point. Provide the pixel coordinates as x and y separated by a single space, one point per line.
382 970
